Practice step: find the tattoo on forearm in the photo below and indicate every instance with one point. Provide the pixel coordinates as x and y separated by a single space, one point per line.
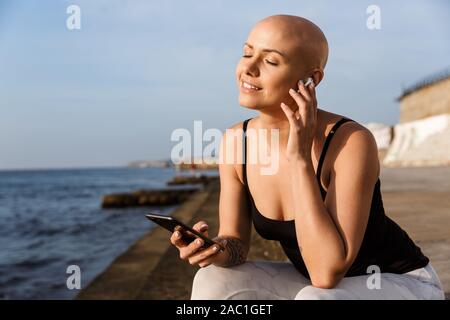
235 249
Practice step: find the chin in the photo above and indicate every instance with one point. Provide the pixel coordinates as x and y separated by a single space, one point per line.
249 104
251 107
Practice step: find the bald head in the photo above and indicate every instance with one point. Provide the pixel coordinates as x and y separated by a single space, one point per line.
307 41
280 51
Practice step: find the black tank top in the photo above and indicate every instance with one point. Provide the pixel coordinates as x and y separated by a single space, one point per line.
385 244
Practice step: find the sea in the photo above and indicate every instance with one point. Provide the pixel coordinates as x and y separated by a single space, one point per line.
52 220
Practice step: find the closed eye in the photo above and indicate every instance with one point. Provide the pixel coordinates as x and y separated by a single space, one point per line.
268 61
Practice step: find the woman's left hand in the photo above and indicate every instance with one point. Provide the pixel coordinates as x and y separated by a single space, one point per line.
302 121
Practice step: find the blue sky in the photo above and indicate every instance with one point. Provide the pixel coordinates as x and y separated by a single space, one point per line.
115 90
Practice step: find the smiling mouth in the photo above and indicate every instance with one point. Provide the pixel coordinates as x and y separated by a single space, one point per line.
248 86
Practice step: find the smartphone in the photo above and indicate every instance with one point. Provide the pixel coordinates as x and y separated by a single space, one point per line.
172 224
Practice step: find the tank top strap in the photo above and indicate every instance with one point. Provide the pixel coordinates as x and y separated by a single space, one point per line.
322 155
244 150
325 148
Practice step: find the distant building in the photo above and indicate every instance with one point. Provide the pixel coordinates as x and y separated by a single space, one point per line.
200 163
427 98
422 138
149 164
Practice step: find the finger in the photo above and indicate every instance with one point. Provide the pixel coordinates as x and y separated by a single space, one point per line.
201 227
190 249
186 236
298 98
312 90
290 116
204 254
204 264
303 107
221 242
177 240
304 91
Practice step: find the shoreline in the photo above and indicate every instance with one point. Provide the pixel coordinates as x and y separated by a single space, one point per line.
125 276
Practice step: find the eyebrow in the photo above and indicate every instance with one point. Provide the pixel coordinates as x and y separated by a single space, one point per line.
267 50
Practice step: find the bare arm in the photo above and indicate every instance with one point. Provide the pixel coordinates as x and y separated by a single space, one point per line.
331 232
234 220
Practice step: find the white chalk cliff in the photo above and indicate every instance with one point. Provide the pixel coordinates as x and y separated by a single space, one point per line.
420 143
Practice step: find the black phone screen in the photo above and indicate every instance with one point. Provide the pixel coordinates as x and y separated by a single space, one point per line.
173 225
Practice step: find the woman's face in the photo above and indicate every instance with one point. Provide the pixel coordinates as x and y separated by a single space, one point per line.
270 62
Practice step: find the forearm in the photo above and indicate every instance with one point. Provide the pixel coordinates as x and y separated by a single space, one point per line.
234 251
321 244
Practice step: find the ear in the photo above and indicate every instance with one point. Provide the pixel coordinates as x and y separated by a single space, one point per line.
317 76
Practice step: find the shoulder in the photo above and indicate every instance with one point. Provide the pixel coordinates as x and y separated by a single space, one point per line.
236 126
356 148
350 134
231 155
233 135
357 134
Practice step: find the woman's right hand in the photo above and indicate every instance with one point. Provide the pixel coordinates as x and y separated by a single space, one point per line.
193 252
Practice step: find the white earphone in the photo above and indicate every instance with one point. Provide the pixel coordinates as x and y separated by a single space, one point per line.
307 83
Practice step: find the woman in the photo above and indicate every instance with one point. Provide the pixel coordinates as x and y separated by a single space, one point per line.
323 203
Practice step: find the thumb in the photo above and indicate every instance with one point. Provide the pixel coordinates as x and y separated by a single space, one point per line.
204 229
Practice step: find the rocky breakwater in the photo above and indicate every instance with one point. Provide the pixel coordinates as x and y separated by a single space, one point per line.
201 179
158 197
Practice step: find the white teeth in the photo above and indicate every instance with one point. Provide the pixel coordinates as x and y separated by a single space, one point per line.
249 86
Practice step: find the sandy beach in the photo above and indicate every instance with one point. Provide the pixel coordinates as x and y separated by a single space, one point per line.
418 199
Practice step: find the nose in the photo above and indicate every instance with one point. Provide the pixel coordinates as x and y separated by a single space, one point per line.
251 68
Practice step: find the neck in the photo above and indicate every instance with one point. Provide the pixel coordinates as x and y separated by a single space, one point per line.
279 121
273 121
